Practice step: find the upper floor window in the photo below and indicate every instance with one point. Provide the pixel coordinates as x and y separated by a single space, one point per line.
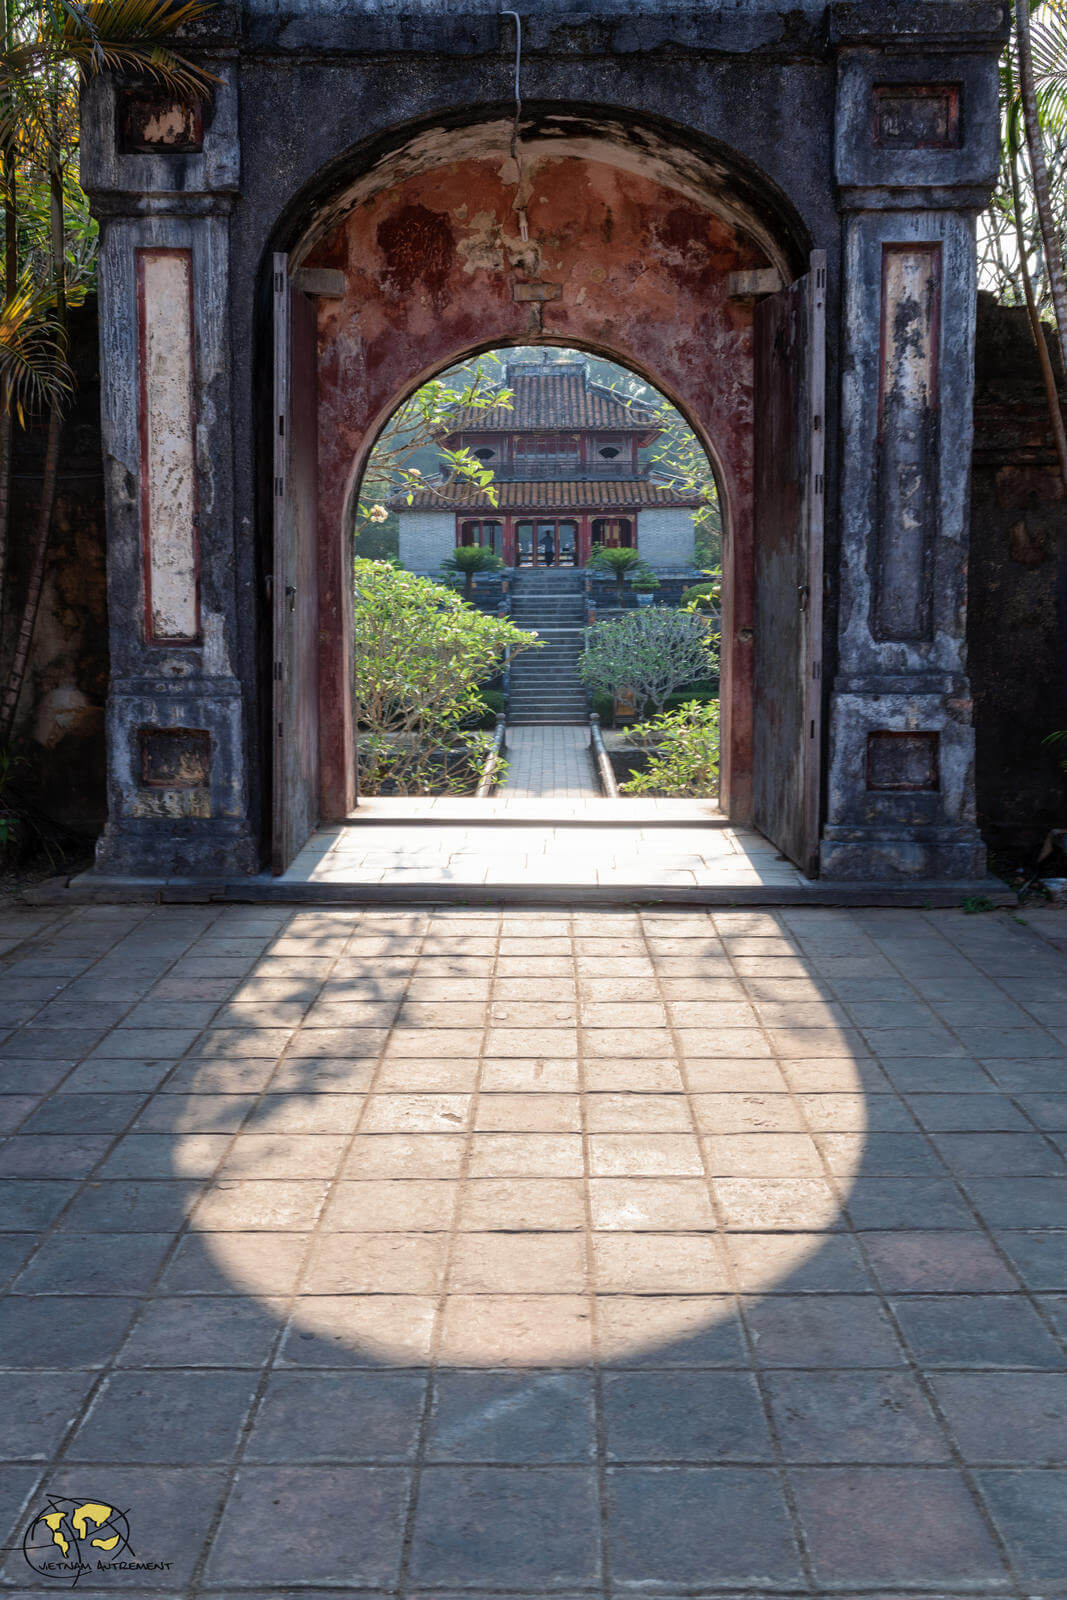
610 447
546 446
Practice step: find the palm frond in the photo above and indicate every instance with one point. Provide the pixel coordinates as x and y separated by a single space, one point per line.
33 362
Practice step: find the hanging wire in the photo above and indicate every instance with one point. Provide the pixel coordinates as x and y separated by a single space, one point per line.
524 228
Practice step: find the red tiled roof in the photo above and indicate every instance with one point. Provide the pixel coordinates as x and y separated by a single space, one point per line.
545 399
575 495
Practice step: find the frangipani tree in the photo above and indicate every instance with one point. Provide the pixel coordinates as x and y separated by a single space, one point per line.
648 654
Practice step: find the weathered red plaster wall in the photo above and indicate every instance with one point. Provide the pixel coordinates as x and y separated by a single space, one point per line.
431 268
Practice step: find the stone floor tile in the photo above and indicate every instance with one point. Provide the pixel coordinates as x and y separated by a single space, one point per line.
879 1154
185 1417
537 1524
52 1155
516 1331
810 1331
907 1203
54 1331
637 1113
454 1075
536 1075
798 1263
232 1263
734 1075
128 1206
359 1330
979 1330
684 1416
526 1155
794 1204
282 1155
416 1113
939 1262
276 1206
882 1526
390 1206
71 1263
1000 1154
370 1417
371 1263
36 1410
748 1155
625 1077
1040 1258
656 1204
202 1331
83 1113
237 1077
854 1416
14 1108
1045 1110
324 1542
518 1417
649 1263
1029 1511
634 1155
669 1331
114 1077
522 1204
517 1263
530 1113
730 1521
419 1155
939 1075
1015 1418
1020 1202
968 1113
159 1155
836 1112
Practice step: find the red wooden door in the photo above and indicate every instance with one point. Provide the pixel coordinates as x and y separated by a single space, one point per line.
295 575
790 389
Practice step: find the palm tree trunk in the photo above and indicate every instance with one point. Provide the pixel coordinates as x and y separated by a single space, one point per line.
11 279
42 534
1039 174
1048 376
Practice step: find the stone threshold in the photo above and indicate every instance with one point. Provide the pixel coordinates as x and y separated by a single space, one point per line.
90 888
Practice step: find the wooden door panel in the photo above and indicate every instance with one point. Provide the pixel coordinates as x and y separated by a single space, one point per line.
790 384
295 577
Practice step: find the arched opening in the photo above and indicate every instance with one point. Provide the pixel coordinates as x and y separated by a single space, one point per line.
654 258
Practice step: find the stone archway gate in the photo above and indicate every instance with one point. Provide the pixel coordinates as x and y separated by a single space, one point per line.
872 128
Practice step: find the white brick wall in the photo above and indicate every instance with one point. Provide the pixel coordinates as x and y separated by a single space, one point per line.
426 538
665 537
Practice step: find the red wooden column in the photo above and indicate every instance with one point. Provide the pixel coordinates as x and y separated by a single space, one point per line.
585 539
508 551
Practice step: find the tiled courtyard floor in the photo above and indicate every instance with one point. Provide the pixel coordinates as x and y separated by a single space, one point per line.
513 1255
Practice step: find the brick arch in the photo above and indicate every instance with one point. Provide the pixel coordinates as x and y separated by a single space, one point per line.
435 269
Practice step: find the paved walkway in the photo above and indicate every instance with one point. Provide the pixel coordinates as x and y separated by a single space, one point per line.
394 842
583 1255
550 763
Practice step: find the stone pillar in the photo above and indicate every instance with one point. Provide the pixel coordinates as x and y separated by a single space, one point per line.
916 155
162 178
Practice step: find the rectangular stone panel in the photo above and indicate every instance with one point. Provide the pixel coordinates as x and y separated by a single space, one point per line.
175 758
155 122
906 488
902 761
917 116
167 424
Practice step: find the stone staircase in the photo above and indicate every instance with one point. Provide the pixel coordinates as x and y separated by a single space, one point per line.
545 687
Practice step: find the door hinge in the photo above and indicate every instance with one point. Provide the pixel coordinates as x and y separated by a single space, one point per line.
279 731
279 488
818 483
277 672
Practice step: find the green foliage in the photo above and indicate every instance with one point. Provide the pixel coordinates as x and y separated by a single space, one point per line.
644 582
704 691
1058 742
466 561
703 596
684 752
647 653
604 706
411 435
619 562
419 656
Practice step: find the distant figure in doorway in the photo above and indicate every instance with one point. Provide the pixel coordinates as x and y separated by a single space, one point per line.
547 552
